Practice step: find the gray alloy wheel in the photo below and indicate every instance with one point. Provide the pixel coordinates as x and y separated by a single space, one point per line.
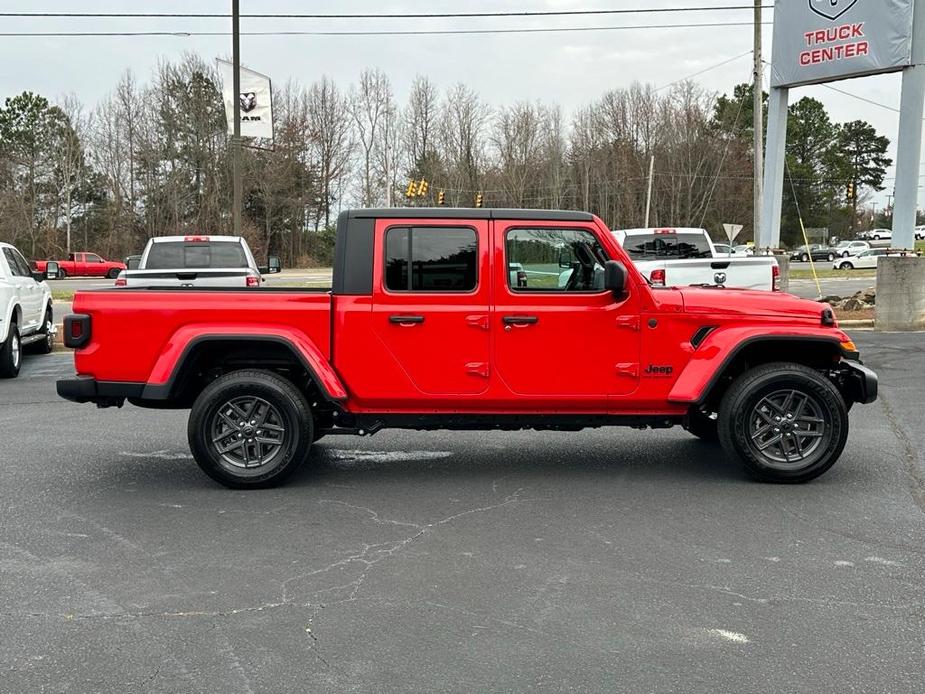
787 427
248 434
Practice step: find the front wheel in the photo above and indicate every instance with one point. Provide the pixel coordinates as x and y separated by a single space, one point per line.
845 254
250 429
11 353
831 257
113 274
846 266
804 258
785 422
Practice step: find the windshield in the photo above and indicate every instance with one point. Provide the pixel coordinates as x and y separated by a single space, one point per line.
646 246
170 255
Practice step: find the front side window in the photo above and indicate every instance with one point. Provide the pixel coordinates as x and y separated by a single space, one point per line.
15 269
554 260
425 259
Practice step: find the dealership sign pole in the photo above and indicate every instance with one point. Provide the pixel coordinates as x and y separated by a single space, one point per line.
819 41
237 184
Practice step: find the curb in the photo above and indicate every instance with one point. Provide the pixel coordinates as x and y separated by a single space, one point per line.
856 323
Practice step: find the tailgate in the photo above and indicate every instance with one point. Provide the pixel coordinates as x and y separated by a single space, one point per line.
740 273
204 277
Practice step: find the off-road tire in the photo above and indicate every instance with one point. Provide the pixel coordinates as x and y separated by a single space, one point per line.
701 426
739 421
11 353
290 412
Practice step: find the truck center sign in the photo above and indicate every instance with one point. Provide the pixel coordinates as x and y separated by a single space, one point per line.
823 40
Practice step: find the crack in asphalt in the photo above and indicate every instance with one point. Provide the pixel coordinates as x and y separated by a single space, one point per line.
916 474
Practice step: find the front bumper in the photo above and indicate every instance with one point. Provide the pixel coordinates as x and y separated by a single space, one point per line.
860 382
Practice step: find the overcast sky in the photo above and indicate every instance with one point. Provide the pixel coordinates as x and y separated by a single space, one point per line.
571 68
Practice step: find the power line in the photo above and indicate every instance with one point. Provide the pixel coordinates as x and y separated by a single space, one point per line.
381 15
409 32
704 71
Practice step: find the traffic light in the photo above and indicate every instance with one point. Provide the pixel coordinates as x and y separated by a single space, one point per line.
478 199
441 198
422 188
409 191
851 191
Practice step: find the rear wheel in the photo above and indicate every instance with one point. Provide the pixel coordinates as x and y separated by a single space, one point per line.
846 266
785 422
805 257
45 345
250 429
831 257
11 353
112 274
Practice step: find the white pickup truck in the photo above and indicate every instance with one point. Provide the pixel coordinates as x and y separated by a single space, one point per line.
25 311
679 256
197 261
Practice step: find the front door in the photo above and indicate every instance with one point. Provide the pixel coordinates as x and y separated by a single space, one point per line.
560 336
430 308
30 291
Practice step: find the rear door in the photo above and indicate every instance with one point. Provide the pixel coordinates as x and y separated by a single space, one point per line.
560 336
431 294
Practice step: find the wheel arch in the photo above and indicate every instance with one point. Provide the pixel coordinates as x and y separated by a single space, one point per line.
223 352
704 380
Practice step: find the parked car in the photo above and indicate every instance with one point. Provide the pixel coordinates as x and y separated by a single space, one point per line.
815 251
845 248
25 311
686 256
83 265
876 235
744 251
423 329
863 260
197 261
920 233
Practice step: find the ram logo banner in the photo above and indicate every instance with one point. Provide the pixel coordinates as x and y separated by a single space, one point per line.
248 102
255 98
817 41
831 9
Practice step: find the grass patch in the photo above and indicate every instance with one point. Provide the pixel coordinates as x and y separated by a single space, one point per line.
62 294
920 246
828 273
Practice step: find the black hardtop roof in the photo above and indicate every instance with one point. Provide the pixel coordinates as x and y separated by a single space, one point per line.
468 213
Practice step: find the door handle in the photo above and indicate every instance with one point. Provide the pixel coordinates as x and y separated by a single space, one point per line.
520 320
406 320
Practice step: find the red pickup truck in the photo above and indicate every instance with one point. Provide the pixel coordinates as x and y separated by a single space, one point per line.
84 265
428 327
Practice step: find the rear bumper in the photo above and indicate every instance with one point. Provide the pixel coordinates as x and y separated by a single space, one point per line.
861 382
104 393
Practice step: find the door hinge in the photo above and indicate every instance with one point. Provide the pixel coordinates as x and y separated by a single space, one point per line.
478 368
628 369
631 322
478 321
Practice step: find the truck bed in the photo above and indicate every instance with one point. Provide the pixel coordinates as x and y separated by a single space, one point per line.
135 330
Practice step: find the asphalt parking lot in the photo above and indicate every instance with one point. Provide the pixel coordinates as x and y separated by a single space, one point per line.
609 560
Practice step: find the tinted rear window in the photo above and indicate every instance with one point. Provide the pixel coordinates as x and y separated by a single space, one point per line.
169 255
441 260
647 246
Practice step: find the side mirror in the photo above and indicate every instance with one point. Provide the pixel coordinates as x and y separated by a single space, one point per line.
274 265
566 259
52 270
615 278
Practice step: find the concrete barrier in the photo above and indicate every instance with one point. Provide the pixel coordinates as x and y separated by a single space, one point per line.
900 293
783 261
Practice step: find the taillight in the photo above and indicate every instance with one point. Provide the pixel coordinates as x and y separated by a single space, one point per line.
658 278
76 330
253 281
775 277
120 282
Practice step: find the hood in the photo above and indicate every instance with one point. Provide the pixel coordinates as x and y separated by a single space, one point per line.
750 302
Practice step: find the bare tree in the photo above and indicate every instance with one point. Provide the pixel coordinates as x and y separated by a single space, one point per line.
333 144
369 104
464 120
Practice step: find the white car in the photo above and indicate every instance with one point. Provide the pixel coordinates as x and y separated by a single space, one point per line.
846 248
920 233
25 311
744 251
864 260
681 256
877 235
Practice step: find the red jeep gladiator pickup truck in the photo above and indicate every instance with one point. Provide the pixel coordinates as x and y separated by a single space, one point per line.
428 327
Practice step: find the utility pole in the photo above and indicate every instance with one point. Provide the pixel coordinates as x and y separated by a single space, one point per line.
649 193
758 105
237 184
